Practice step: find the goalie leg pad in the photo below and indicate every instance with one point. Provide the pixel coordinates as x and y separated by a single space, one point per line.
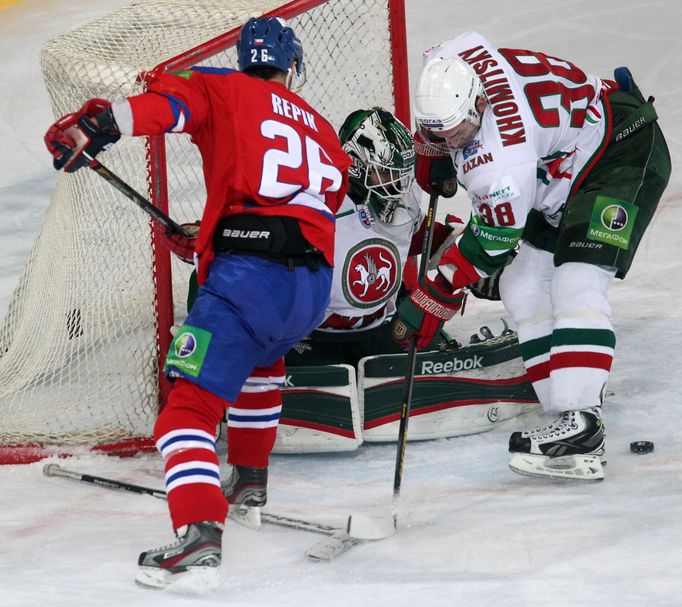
461 391
320 410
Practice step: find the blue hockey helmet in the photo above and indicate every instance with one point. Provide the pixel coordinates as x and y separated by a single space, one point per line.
269 42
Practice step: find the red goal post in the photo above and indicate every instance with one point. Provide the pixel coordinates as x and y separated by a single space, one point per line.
82 345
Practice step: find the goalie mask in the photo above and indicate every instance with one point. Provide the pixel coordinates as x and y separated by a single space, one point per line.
382 151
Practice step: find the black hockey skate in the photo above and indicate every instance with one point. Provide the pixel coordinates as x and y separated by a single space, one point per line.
246 491
196 553
569 448
247 487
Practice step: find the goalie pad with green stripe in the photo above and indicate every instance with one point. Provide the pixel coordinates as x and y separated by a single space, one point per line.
463 391
320 411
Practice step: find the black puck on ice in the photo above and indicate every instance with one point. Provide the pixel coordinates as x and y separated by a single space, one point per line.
642 447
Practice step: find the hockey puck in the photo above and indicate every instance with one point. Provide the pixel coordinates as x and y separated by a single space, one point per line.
642 447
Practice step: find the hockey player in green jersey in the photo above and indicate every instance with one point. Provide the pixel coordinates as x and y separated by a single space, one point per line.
567 167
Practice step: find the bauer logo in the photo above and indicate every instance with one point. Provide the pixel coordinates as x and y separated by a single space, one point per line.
430 367
185 345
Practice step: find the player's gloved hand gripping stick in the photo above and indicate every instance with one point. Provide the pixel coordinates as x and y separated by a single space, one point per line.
77 138
374 528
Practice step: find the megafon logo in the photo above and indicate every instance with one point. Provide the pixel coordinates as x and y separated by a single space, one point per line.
430 367
614 217
185 345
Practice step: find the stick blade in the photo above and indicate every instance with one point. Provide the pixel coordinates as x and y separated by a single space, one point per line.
331 547
363 527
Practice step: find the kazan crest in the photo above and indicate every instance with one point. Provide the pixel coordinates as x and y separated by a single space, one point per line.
372 273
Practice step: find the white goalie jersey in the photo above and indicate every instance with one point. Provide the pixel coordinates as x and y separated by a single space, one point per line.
369 258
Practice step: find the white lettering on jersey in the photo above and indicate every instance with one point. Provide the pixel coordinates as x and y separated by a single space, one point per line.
284 107
499 93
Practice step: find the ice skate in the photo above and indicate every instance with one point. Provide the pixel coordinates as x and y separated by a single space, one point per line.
569 448
247 492
195 554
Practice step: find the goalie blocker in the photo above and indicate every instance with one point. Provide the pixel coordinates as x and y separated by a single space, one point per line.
456 392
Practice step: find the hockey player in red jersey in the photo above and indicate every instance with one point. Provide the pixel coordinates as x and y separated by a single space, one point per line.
570 170
275 176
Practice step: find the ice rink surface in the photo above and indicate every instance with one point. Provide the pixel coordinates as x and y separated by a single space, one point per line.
471 532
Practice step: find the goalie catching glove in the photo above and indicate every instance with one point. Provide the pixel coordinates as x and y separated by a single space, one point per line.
425 311
78 137
434 170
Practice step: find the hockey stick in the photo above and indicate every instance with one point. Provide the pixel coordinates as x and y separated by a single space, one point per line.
375 528
108 483
156 214
337 542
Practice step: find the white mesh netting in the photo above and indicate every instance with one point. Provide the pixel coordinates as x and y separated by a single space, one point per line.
79 355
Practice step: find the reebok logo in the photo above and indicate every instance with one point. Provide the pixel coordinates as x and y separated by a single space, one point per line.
430 367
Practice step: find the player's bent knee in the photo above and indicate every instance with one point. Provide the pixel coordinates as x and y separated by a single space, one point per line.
523 296
581 289
189 406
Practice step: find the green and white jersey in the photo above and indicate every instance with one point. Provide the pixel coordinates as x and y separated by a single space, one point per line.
369 257
542 129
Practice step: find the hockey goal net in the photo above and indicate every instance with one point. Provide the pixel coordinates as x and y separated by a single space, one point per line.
87 328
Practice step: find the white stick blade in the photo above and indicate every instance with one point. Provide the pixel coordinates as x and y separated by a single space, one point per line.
363 527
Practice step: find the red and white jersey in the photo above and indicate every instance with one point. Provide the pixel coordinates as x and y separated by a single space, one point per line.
264 150
544 127
369 259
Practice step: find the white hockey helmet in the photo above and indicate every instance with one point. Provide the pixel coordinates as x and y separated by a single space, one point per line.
446 95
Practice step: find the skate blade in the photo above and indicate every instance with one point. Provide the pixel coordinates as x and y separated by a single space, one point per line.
565 468
196 580
363 527
249 516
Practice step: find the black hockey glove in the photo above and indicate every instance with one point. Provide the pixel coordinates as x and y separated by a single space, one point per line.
489 287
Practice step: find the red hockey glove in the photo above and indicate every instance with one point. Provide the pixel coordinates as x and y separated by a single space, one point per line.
434 169
182 246
91 130
425 311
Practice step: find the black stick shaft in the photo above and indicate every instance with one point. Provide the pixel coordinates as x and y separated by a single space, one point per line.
125 189
109 483
412 354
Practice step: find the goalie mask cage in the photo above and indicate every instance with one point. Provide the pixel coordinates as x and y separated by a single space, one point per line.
88 326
